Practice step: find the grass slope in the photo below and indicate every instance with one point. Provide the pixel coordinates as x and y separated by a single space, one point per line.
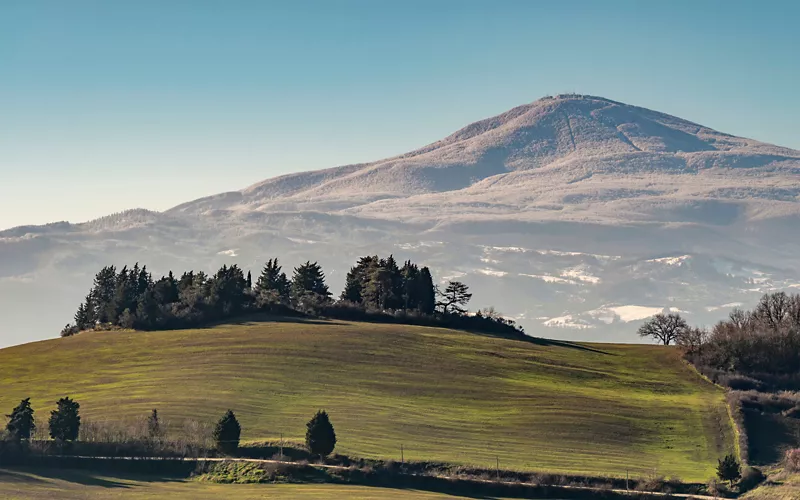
445 395
81 485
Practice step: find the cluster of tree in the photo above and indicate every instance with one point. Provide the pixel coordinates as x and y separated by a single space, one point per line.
762 344
64 422
131 298
379 284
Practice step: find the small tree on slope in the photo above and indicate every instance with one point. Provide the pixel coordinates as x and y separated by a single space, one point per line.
21 423
65 422
729 469
320 436
227 433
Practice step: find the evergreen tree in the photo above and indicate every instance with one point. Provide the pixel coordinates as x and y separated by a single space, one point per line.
249 281
357 278
21 423
425 292
227 433
272 286
82 318
394 297
308 279
320 436
154 425
166 290
454 297
378 290
728 469
65 421
409 291
148 311
103 291
226 293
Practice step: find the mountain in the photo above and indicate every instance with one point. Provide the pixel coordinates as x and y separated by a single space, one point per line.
576 214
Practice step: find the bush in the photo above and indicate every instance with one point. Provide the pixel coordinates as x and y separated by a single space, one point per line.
751 477
792 460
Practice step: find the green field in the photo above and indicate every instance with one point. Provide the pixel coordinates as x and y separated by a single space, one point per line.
444 395
80 485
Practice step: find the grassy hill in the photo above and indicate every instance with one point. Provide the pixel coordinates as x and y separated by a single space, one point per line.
444 395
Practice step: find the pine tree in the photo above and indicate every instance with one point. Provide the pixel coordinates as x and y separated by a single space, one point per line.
82 318
249 281
426 292
227 433
454 298
65 421
409 291
357 278
309 280
320 436
378 290
394 297
103 291
272 286
728 469
21 422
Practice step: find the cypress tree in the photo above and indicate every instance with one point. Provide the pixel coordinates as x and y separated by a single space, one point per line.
65 421
320 436
426 292
227 433
21 422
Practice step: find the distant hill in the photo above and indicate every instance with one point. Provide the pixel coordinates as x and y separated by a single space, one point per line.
564 211
443 395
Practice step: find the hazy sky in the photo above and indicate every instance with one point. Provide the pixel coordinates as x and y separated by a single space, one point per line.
112 105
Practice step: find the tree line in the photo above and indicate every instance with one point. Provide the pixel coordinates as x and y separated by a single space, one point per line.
65 422
374 288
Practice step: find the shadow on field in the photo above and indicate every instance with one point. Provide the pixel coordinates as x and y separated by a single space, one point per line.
112 479
268 318
19 477
544 342
565 344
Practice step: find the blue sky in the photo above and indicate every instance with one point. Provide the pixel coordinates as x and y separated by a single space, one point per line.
112 105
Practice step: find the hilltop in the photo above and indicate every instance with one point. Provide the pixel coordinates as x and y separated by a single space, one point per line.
576 215
444 395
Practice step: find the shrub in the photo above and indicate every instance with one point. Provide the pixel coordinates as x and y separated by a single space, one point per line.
792 460
227 433
320 436
751 477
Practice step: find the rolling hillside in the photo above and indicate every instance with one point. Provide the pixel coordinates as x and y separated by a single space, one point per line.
444 395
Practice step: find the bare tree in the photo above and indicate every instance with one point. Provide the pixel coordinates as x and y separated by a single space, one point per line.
692 339
665 328
454 297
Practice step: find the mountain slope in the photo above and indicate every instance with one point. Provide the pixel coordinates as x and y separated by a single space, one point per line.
444 395
596 197
570 147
